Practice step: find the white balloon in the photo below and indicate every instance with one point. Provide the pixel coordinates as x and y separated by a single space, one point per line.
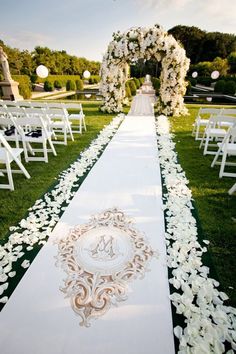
215 74
209 99
87 95
42 71
194 74
86 74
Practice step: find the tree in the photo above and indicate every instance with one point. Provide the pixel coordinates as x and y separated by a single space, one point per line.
232 62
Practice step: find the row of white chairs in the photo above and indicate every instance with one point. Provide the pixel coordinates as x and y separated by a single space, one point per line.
77 119
203 116
31 127
218 137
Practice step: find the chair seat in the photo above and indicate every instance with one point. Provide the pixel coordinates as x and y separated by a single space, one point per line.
202 121
16 152
230 148
216 132
75 116
58 124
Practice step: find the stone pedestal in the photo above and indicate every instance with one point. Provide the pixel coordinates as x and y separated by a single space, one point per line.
10 91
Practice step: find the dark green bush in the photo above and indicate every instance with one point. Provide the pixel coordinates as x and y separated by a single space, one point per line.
132 87
137 83
79 84
189 86
219 86
33 78
57 84
70 85
193 81
204 81
127 90
48 86
156 84
141 80
24 85
230 87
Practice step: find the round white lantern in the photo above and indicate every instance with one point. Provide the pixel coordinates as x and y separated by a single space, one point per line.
42 71
194 74
209 99
88 95
215 74
86 74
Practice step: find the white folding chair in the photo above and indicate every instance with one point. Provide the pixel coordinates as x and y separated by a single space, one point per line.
8 128
76 117
215 131
33 129
229 111
7 156
232 189
226 148
202 120
60 124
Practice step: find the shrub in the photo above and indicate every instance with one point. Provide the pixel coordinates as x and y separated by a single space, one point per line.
132 87
193 81
230 87
219 86
204 80
141 80
137 83
33 78
48 86
79 84
70 85
24 85
156 84
189 86
127 91
57 84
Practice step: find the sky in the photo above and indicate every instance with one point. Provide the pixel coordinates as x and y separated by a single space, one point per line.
84 27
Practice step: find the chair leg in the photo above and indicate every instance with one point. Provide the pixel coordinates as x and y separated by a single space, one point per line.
9 174
25 151
206 145
232 189
20 165
45 152
222 166
85 128
216 157
70 131
52 147
80 125
197 132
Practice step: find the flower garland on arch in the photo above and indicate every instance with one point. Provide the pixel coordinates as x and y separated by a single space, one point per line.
145 43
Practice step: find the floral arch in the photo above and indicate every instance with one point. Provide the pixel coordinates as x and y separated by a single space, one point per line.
145 43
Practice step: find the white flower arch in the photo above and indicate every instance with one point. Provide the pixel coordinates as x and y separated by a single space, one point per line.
145 43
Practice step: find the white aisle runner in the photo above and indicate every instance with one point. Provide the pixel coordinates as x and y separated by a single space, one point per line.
39 320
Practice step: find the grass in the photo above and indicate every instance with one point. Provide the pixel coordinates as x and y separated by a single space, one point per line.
215 208
14 205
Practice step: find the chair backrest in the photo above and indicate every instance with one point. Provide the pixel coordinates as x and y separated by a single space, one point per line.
8 148
209 111
230 111
15 111
72 105
23 104
26 124
9 103
33 111
54 105
56 113
38 104
220 120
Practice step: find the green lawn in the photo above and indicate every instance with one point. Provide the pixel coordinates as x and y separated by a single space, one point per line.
216 209
14 205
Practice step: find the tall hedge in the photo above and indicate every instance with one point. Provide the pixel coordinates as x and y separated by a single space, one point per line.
24 85
61 78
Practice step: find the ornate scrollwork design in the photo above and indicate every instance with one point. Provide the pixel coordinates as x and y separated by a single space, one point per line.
100 258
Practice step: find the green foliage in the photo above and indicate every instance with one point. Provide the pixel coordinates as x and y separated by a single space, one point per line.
230 87
137 83
216 209
132 87
70 85
156 85
24 85
94 79
57 84
48 86
62 78
204 46
141 80
206 81
193 81
127 90
219 86
189 86
79 84
232 62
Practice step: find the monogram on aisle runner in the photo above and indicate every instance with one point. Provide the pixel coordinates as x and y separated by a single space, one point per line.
100 259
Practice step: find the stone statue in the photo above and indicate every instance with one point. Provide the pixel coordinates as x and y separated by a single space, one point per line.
5 66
